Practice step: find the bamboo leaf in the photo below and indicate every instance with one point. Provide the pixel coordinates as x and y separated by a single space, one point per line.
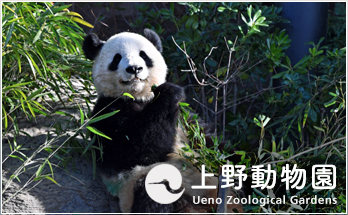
31 64
49 164
68 33
16 86
8 8
8 35
96 131
39 111
63 113
183 104
56 35
38 105
54 10
82 22
19 92
242 153
16 177
36 93
89 144
45 177
40 169
37 36
30 109
5 120
17 157
19 61
319 129
14 20
331 102
74 14
338 152
82 116
257 122
274 146
299 127
305 116
51 179
104 116
129 95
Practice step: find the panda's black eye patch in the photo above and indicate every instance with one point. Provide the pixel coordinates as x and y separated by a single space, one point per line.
113 66
146 58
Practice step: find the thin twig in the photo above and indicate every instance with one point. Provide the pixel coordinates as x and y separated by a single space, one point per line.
304 152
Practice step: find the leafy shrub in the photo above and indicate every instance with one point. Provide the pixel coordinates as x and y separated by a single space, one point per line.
41 53
41 50
235 54
231 57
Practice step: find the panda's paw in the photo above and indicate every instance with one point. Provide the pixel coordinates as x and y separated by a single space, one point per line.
170 92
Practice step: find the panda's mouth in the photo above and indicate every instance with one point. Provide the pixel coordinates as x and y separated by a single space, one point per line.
133 80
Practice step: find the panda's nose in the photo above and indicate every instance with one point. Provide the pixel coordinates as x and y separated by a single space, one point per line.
134 69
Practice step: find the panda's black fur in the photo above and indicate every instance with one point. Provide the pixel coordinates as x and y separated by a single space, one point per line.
91 46
144 133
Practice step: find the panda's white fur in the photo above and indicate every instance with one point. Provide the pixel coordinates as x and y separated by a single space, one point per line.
128 45
113 84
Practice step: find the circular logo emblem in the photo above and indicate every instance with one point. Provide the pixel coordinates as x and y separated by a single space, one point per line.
163 184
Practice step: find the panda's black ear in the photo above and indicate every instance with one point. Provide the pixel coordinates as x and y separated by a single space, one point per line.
153 38
91 46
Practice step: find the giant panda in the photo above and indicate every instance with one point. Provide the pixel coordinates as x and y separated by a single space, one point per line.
144 133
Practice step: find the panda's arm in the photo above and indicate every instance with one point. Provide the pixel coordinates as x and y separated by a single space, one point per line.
155 126
140 137
166 100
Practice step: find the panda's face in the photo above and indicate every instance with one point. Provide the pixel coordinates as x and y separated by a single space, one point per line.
128 62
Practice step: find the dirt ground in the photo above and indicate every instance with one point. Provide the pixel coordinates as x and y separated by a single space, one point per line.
76 192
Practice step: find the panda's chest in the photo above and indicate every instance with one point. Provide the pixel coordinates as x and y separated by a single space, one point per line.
129 111
132 108
128 116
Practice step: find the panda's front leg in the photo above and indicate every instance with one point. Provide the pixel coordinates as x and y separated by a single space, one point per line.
168 94
157 122
165 104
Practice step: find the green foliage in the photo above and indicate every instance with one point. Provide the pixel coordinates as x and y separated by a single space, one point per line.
207 155
41 62
41 51
273 110
276 111
337 26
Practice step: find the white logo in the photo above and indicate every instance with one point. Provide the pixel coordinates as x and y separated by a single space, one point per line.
324 176
163 184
